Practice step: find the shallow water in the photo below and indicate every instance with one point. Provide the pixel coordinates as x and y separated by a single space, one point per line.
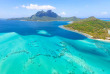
43 48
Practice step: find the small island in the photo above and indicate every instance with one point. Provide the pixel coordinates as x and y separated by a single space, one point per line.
97 29
48 15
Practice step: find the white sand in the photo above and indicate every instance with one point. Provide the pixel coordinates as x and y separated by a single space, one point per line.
87 35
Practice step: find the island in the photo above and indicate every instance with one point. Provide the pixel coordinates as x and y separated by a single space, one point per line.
95 28
46 16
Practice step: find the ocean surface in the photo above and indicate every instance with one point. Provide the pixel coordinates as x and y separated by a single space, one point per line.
28 47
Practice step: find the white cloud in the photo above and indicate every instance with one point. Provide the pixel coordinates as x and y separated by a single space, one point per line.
62 13
104 13
38 7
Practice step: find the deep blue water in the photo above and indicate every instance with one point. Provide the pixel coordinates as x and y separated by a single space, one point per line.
30 28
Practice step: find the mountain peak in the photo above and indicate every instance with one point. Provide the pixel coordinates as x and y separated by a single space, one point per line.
42 13
92 18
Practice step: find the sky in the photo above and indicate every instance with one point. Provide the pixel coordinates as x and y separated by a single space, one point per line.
65 8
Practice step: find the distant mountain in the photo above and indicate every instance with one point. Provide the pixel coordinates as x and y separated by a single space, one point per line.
49 13
46 16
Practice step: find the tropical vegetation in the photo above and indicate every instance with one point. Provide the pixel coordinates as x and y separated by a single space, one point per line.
92 26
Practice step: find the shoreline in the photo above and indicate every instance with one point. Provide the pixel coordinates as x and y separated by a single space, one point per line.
46 21
87 35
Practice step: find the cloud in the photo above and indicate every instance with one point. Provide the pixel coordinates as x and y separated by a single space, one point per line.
38 7
104 13
62 13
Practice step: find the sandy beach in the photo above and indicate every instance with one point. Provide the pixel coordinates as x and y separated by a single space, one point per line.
87 35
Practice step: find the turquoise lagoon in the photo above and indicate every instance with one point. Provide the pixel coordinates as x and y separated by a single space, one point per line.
43 48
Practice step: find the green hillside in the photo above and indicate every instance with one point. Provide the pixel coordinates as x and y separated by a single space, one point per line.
95 27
